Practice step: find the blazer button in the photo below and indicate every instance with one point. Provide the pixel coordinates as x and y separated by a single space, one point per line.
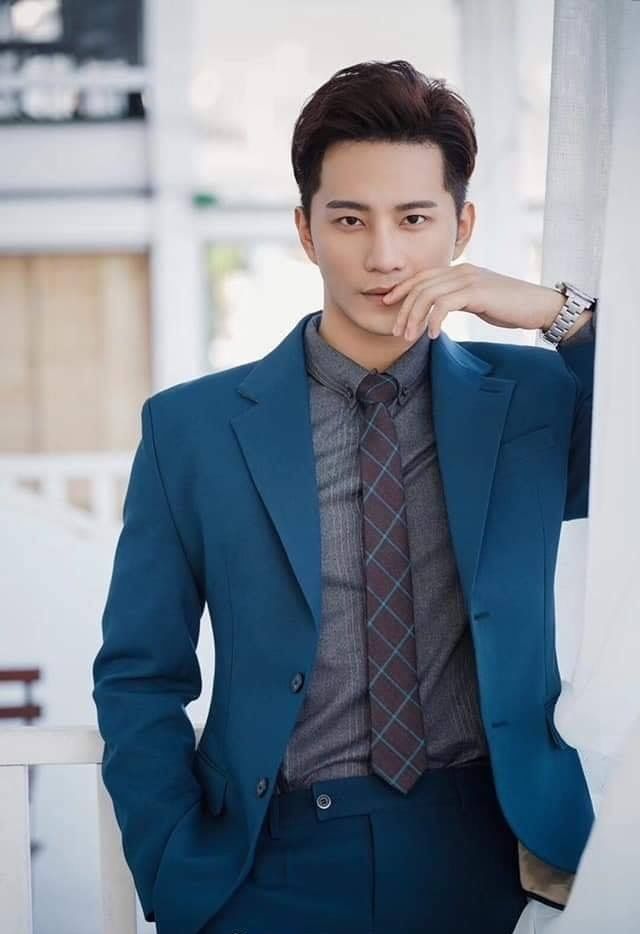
296 682
262 786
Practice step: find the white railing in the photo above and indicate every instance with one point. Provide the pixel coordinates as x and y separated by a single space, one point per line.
21 747
48 479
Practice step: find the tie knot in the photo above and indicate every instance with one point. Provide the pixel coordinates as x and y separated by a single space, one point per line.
377 387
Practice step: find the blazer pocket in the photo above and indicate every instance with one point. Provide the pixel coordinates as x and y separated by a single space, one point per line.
524 445
213 780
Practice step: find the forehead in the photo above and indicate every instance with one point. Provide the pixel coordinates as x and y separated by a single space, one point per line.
368 166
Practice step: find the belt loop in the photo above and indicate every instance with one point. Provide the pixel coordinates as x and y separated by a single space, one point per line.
274 816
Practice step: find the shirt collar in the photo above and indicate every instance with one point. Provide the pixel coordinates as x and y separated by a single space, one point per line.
342 374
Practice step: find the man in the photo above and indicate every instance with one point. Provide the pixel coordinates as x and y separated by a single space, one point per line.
371 513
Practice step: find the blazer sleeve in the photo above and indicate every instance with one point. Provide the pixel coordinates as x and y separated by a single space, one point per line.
579 357
147 671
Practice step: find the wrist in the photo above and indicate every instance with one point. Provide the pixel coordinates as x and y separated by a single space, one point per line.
580 322
573 315
554 301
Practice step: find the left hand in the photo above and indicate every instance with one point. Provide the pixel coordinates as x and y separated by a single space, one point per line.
431 294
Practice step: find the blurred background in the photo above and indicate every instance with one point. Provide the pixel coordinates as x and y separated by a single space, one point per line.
147 237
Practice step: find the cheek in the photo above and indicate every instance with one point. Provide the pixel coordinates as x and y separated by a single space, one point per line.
435 246
335 259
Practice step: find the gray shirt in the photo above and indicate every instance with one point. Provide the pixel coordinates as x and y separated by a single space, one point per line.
331 738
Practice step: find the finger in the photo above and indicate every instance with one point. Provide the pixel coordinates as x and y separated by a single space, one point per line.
434 328
434 276
405 310
428 292
414 311
403 288
454 301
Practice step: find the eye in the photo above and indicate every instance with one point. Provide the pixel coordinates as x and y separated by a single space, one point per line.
352 218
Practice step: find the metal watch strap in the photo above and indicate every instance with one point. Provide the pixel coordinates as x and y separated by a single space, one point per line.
576 302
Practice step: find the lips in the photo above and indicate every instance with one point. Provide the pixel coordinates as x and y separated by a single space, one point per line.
379 291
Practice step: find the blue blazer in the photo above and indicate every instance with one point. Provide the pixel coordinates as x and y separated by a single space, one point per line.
222 507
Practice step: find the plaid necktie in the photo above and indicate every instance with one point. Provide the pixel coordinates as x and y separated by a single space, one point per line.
397 729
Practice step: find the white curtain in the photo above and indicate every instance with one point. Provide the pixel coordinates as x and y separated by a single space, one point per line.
590 238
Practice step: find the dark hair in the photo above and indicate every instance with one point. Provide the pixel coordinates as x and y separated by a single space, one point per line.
389 102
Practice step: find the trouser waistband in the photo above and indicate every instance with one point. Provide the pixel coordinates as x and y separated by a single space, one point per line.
328 799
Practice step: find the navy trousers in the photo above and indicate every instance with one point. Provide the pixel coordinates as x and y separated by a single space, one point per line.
355 856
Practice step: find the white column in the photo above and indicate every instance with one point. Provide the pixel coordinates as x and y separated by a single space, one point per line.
489 55
177 276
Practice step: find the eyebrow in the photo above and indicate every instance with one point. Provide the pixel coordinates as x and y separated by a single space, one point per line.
358 206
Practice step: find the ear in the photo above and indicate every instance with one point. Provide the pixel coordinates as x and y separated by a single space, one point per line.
465 228
304 233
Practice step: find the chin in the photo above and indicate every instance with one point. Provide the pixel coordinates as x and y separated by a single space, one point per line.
382 328
373 322
370 320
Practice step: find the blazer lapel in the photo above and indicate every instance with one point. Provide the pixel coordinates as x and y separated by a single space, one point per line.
276 440
469 412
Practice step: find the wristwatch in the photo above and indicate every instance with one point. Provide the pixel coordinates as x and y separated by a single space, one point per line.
577 301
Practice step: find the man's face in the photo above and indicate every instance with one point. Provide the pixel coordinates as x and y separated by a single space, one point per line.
381 244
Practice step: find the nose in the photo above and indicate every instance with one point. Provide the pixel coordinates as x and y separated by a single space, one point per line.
384 252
